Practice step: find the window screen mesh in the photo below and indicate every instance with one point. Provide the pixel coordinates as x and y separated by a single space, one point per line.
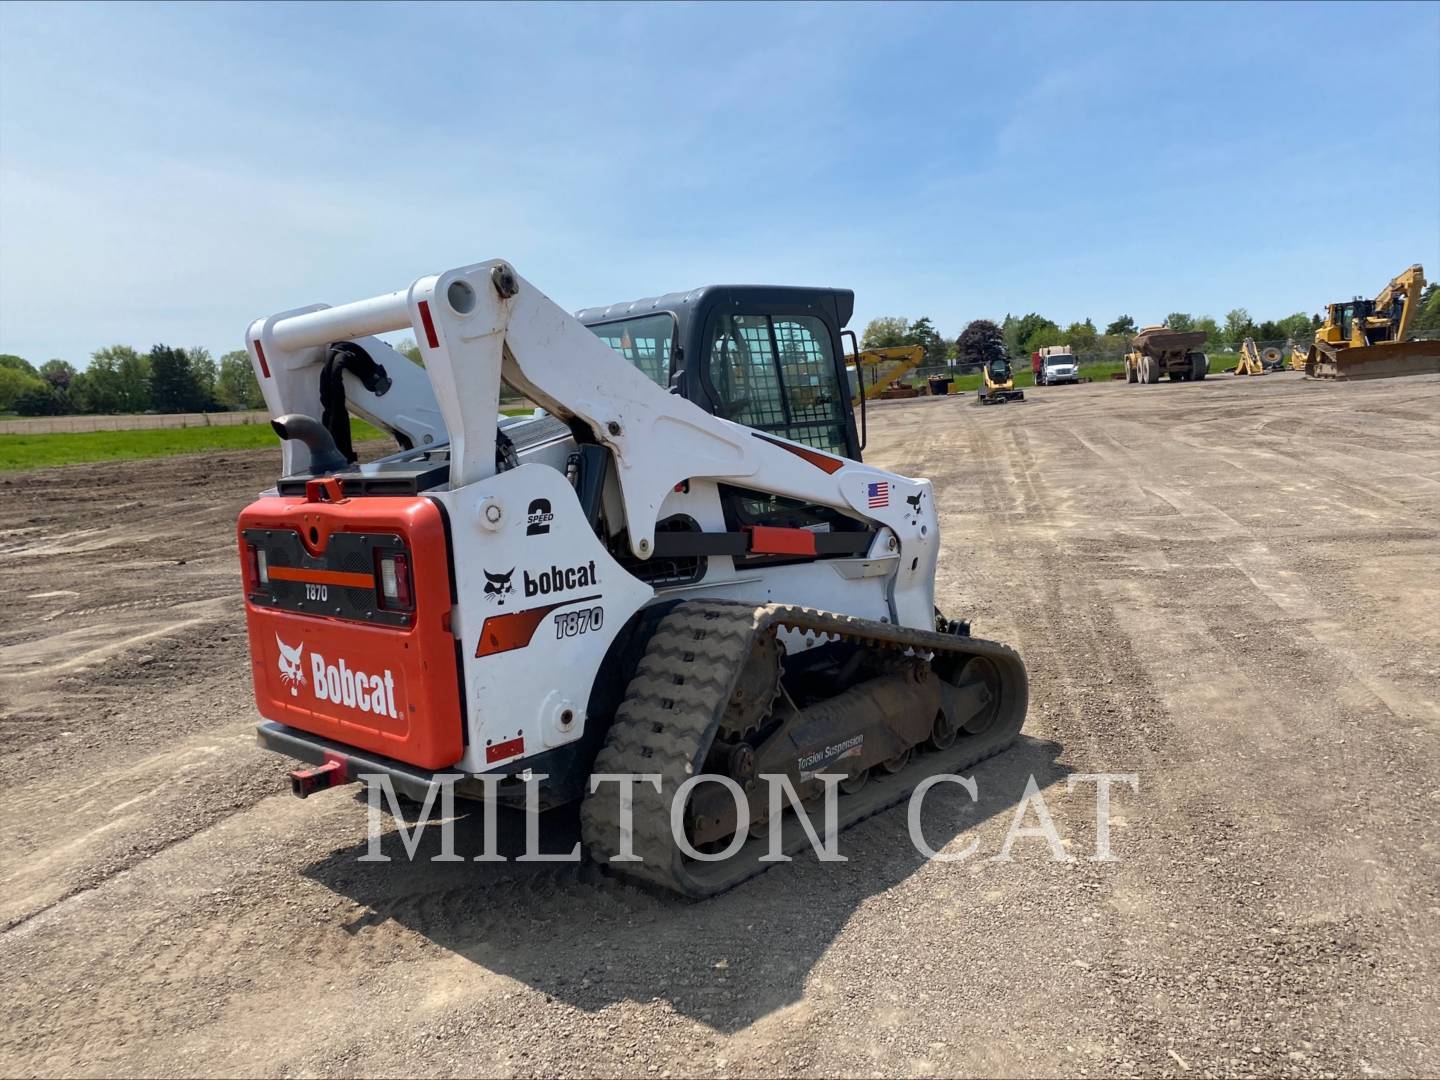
778 375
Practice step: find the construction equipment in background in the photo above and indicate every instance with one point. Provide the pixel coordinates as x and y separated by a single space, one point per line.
1053 365
886 367
997 384
1158 350
671 589
1365 339
1257 361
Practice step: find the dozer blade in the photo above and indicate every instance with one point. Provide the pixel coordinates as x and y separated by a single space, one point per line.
1382 361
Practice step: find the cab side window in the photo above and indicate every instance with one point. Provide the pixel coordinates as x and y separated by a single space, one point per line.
646 342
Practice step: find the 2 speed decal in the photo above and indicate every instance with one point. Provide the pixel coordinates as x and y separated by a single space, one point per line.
538 518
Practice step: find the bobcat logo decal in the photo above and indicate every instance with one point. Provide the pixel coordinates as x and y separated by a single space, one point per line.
498 586
291 673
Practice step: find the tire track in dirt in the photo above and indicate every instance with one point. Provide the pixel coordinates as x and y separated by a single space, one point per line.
1277 888
1219 890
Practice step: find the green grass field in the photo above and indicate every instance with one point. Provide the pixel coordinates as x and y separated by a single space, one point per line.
42 451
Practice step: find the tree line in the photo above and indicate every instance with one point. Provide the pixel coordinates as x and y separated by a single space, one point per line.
983 340
120 379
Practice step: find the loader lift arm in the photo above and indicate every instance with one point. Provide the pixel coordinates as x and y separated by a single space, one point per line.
1398 303
480 325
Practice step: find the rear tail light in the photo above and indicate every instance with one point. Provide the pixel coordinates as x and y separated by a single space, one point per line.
392 571
256 568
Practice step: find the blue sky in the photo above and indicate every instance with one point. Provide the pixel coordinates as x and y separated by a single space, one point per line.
170 173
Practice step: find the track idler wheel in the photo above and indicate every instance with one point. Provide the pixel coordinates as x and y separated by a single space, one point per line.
980 670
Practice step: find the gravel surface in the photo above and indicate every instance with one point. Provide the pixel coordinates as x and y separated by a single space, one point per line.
1227 588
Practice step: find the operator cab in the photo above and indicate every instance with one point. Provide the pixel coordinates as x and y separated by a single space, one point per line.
765 356
1346 315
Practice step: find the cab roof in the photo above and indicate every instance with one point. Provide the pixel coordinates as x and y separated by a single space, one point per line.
838 304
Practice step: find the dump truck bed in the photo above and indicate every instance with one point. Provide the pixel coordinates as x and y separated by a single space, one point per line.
1163 342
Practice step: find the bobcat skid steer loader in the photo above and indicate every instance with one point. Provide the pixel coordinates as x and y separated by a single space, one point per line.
678 568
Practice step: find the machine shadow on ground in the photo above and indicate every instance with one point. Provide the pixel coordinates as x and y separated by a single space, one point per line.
590 940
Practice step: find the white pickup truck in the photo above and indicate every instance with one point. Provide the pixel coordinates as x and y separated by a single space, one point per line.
1055 364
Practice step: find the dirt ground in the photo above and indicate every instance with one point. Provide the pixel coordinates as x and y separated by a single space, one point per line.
1228 588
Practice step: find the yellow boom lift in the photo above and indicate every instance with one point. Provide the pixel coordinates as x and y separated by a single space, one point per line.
1365 339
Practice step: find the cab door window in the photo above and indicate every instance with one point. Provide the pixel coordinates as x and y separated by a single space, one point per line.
777 374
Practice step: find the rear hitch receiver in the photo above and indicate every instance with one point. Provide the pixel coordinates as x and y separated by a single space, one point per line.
306 782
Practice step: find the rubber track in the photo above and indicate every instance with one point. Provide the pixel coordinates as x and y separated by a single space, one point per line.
674 703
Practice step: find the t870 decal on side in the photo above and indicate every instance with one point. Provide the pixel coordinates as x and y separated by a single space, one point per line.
573 623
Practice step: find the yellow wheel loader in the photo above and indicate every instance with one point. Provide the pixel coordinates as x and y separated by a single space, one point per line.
997 384
1365 339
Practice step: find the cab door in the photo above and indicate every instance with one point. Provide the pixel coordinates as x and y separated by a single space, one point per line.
781 373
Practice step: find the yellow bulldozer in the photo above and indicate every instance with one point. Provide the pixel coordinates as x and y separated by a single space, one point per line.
1365 339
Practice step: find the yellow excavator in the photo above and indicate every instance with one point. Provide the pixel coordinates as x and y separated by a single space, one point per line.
997 384
886 366
1365 339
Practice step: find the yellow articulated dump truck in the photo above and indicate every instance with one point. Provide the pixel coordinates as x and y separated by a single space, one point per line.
1365 339
1158 350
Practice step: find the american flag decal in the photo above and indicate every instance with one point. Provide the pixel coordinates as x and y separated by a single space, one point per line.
879 494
